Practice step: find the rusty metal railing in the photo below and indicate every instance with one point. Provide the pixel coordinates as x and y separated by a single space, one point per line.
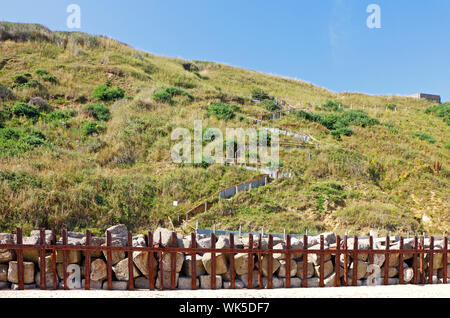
253 249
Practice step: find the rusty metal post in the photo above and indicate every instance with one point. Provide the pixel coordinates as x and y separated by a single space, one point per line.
386 262
321 262
346 260
232 269
109 259
422 260
305 261
337 262
250 263
288 261
20 270
161 265
130 262
270 265
42 261
431 261
65 257
55 274
173 264
150 261
259 262
400 261
193 263
416 250
213 262
445 260
355 261
87 263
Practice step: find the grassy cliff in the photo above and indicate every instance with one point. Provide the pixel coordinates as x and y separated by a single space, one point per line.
85 125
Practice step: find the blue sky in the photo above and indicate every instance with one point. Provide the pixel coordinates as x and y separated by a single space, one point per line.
325 42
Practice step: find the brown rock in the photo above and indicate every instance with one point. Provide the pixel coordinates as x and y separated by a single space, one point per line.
140 259
199 268
121 270
265 265
310 272
167 260
98 270
221 263
282 270
328 268
28 270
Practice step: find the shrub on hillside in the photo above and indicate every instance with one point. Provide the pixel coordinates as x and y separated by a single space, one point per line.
24 109
221 110
425 137
39 102
25 80
98 111
166 95
59 116
259 94
106 93
269 105
442 111
15 141
91 128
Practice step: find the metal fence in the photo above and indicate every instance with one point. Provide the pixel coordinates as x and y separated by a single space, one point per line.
253 248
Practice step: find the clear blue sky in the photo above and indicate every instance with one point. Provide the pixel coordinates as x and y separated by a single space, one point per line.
325 42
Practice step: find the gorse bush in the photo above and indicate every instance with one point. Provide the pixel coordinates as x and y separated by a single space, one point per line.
25 80
425 137
19 181
91 128
41 72
15 141
98 111
442 111
221 110
259 94
338 123
269 105
167 94
107 93
24 109
60 115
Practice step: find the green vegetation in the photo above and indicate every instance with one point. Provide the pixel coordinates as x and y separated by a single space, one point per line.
107 93
91 128
167 94
98 111
24 109
221 111
72 159
424 136
442 111
15 141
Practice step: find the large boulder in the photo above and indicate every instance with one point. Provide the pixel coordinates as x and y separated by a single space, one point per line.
166 280
295 282
238 284
121 270
199 268
93 284
167 261
185 283
95 241
241 263
282 271
361 271
265 265
315 258
166 238
116 256
6 255
392 271
28 272
329 237
48 280
116 285
244 279
118 233
3 272
276 282
310 270
99 270
205 282
73 257
221 263
140 259
297 245
328 268
48 264
142 283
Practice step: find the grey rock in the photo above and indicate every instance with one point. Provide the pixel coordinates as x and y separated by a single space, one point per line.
205 282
